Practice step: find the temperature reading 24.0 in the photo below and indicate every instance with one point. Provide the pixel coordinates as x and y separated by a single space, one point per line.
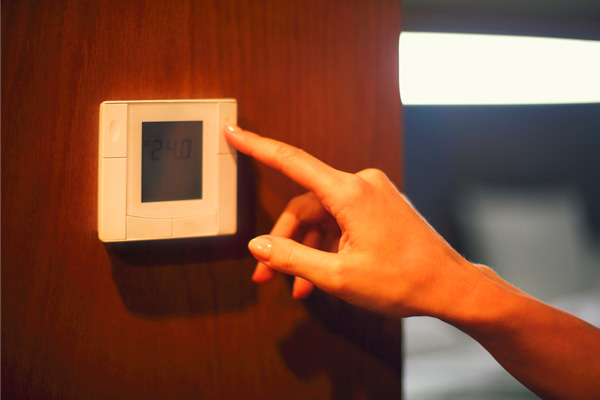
172 148
171 160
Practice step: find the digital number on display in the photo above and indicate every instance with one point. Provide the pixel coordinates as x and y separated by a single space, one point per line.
182 150
171 160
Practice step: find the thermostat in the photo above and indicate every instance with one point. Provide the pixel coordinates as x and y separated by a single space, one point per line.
166 170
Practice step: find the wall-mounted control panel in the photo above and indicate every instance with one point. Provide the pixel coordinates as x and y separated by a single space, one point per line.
166 170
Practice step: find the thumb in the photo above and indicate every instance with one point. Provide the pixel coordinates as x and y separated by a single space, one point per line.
292 258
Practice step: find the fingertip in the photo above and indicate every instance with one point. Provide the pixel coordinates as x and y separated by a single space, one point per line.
232 134
302 288
232 129
262 273
260 247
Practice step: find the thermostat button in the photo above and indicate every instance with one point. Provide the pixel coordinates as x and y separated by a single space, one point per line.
149 228
201 225
114 119
114 131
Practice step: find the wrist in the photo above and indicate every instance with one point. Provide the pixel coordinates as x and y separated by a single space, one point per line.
481 301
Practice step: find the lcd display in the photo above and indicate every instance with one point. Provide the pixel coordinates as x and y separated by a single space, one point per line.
171 161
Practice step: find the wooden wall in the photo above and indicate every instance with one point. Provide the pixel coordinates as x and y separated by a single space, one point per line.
181 319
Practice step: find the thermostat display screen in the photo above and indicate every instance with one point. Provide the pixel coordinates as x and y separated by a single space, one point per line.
171 161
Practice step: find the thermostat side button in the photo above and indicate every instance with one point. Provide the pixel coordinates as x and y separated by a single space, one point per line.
228 194
227 114
112 205
114 130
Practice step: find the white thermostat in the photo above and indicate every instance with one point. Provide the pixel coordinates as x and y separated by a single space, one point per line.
166 170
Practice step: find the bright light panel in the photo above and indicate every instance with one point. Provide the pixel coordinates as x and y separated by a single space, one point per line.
449 68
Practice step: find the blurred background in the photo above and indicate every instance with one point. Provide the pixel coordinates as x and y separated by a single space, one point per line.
516 187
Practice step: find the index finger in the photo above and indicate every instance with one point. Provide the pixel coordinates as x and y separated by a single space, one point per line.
304 169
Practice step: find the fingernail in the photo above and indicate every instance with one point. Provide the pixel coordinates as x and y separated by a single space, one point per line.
260 248
234 129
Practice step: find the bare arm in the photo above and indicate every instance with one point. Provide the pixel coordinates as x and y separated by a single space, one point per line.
553 353
388 259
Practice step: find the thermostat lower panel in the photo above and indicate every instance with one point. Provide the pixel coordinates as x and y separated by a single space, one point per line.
166 170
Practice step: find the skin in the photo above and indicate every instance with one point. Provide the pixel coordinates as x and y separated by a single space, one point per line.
357 237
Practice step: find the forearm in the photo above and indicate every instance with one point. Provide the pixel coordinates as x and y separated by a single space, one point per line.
553 353
390 260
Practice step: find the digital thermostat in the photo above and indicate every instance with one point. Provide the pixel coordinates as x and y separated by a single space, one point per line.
166 170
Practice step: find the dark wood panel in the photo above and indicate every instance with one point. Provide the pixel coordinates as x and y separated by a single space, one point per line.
179 319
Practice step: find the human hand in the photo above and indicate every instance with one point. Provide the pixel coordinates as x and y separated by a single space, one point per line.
387 259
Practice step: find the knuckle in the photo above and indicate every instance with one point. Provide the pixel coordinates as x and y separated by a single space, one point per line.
357 189
298 202
305 208
376 176
372 174
337 276
378 179
286 259
286 154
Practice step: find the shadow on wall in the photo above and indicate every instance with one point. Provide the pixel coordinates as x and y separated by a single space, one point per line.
372 341
182 277
163 278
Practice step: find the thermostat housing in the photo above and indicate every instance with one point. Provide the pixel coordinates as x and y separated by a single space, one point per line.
166 170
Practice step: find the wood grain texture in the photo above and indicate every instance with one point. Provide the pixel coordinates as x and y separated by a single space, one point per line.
181 319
